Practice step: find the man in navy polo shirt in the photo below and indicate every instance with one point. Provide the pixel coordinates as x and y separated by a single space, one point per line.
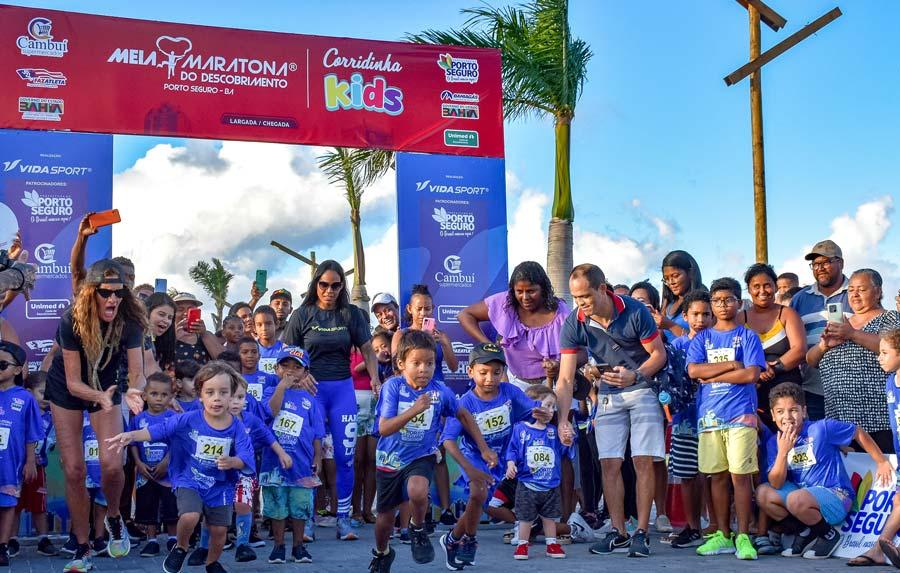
623 339
830 285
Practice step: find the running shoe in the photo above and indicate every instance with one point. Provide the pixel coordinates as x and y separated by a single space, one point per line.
420 546
824 546
451 552
614 542
640 544
119 541
382 563
151 549
277 555
716 544
802 542
555 551
300 555
743 548
174 562
81 561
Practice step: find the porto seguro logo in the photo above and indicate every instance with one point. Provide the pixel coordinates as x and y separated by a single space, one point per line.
39 41
59 208
454 224
458 70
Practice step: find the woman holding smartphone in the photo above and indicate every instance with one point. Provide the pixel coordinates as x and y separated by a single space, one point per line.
192 340
419 315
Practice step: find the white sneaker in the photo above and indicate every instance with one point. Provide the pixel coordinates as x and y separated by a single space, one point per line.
326 521
663 525
581 531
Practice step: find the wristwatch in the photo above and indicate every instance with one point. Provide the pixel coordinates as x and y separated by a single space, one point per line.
639 378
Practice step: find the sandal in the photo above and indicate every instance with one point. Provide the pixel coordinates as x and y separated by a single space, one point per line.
890 551
864 561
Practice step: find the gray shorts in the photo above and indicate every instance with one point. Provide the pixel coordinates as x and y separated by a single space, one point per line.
189 501
532 504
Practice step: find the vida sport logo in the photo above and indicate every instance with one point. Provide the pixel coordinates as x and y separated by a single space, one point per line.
458 70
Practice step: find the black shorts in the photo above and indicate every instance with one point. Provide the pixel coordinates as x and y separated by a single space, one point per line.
532 504
390 487
189 501
504 494
155 504
58 393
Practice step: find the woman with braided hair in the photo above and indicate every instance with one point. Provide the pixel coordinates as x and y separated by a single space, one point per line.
104 324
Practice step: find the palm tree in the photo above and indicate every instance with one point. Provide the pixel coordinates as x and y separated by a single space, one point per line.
544 69
214 280
354 171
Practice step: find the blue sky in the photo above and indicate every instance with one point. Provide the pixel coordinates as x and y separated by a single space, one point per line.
658 138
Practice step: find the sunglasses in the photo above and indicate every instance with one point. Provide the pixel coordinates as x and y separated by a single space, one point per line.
330 286
4 365
106 292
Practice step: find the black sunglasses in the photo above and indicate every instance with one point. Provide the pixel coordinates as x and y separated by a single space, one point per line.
4 365
106 292
330 286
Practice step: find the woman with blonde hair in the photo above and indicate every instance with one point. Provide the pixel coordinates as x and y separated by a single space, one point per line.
104 325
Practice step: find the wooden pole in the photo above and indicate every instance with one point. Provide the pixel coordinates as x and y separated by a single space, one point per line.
759 166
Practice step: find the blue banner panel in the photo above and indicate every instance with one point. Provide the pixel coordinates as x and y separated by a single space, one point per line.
451 230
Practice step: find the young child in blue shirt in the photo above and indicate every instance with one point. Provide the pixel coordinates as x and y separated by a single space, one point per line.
697 313
207 449
20 431
259 383
299 427
185 370
808 488
264 321
726 360
496 406
154 500
534 456
410 408
92 482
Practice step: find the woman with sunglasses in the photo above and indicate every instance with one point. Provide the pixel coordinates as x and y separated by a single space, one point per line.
104 325
328 327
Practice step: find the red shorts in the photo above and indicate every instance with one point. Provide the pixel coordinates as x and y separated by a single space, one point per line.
246 486
34 494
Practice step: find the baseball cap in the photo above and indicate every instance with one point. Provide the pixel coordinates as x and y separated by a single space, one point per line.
826 248
486 352
384 298
186 297
295 353
104 271
18 354
281 293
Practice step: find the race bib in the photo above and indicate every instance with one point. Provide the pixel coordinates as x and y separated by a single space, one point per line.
801 457
91 451
717 355
255 390
288 423
211 449
540 457
267 365
4 438
154 451
494 420
420 422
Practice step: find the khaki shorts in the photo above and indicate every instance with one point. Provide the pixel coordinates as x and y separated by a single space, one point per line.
634 417
731 449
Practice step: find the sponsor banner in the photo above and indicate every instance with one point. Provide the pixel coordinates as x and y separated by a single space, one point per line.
451 219
48 181
871 506
79 72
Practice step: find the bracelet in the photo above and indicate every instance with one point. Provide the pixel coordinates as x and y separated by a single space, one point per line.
778 367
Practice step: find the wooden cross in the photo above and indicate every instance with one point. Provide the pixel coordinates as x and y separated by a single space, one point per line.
757 11
311 260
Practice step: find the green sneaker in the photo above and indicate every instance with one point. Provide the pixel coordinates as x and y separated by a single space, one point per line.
716 544
745 549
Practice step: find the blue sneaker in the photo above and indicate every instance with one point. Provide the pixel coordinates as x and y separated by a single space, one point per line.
451 552
345 530
119 542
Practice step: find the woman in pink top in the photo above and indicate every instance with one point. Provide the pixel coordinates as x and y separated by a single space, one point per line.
528 319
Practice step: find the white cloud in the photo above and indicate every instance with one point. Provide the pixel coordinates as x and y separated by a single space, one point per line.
381 263
527 239
623 259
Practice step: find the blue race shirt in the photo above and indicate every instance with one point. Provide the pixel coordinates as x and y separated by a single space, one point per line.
189 405
194 447
151 453
41 449
816 459
893 404
419 437
260 436
268 356
495 419
20 425
91 453
258 409
297 425
259 382
722 405
538 456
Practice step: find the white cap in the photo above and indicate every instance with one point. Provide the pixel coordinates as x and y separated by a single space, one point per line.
384 298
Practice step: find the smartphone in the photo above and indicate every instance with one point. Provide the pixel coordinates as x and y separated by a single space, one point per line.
835 312
261 276
104 218
193 316
162 285
428 324
604 368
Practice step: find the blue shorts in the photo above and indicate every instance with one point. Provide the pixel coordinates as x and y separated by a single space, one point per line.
7 500
97 496
834 503
281 502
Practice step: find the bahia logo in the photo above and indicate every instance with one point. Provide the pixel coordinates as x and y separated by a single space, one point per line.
45 253
458 70
39 41
454 275
52 206
454 224
375 96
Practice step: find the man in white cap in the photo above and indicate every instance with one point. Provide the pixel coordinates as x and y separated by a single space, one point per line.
387 311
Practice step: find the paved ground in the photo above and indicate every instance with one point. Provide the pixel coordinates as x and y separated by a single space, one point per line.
332 555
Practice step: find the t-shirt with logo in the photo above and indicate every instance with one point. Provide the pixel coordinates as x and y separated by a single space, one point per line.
268 357
259 382
538 456
893 404
298 424
816 458
20 427
91 453
722 405
150 452
684 421
46 441
328 336
194 448
419 437
495 419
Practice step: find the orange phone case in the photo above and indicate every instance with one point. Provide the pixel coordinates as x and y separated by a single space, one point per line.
104 218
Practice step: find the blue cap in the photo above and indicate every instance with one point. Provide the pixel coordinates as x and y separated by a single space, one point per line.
294 352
